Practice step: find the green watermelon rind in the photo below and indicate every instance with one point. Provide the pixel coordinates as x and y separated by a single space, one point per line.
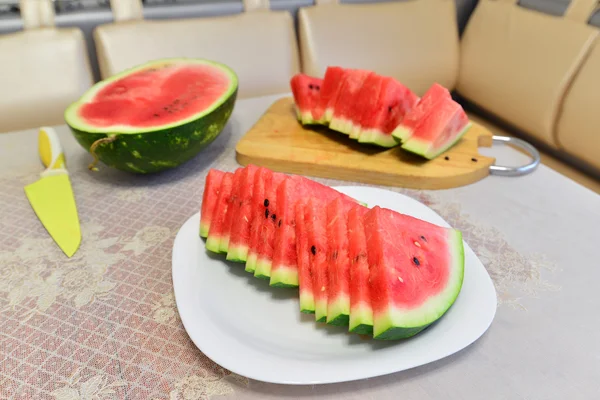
307 302
154 149
321 310
402 133
284 277
424 148
237 253
361 319
204 228
395 324
251 262
263 269
213 244
375 136
338 311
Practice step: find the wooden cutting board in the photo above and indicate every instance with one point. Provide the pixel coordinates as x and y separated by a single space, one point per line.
279 142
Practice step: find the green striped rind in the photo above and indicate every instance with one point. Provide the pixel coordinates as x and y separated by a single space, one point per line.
213 243
204 230
426 149
361 319
321 310
224 244
394 323
237 253
402 133
307 302
374 136
341 125
154 149
338 311
263 269
251 263
284 277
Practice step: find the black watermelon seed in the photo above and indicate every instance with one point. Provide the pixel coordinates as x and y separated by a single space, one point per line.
416 261
313 250
446 158
423 237
356 259
279 223
390 109
311 86
267 213
266 203
274 217
334 255
474 159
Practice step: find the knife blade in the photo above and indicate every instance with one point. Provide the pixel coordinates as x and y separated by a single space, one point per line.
52 197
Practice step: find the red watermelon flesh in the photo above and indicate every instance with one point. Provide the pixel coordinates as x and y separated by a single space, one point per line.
215 233
361 312
365 103
258 199
157 96
232 207
305 278
439 130
338 296
315 219
239 236
395 100
212 186
416 272
331 83
266 235
306 91
284 269
344 118
410 122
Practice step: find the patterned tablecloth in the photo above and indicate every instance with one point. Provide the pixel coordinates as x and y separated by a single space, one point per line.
104 325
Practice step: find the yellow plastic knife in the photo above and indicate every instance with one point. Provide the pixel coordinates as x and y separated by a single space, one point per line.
52 196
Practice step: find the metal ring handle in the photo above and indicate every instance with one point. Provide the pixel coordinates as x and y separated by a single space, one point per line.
516 171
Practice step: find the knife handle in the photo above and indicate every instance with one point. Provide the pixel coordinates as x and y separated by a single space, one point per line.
51 152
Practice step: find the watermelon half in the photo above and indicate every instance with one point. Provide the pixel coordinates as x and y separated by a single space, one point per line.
361 311
155 116
239 236
212 186
306 91
416 272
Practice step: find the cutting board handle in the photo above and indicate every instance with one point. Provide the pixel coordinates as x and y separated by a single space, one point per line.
521 170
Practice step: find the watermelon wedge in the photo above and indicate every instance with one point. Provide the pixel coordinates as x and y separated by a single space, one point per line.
395 100
284 269
361 311
343 119
416 272
232 207
315 219
332 82
212 186
439 130
258 199
305 278
266 234
365 104
240 227
410 122
215 232
306 91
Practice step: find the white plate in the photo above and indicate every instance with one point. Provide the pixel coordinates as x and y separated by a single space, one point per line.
258 331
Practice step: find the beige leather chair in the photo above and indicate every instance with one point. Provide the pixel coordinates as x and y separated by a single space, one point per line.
43 70
518 63
259 44
414 41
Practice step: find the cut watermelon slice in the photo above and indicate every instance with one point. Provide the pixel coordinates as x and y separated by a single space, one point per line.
258 199
212 186
343 118
240 227
334 77
416 272
361 311
366 103
439 130
305 278
266 235
315 219
395 100
338 296
215 233
306 91
284 270
410 122
232 207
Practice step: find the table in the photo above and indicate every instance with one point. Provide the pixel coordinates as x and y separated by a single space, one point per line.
104 323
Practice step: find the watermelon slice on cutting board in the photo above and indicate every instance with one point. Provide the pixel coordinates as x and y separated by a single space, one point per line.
212 185
416 272
334 77
306 90
343 119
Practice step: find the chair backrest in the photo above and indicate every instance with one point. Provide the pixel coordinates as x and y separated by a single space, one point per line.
259 44
43 70
578 128
414 41
518 63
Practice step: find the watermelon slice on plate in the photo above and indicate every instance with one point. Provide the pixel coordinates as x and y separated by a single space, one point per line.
215 232
429 100
343 119
306 91
315 219
361 311
212 186
329 90
232 207
258 200
242 217
394 102
439 130
416 272
305 278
